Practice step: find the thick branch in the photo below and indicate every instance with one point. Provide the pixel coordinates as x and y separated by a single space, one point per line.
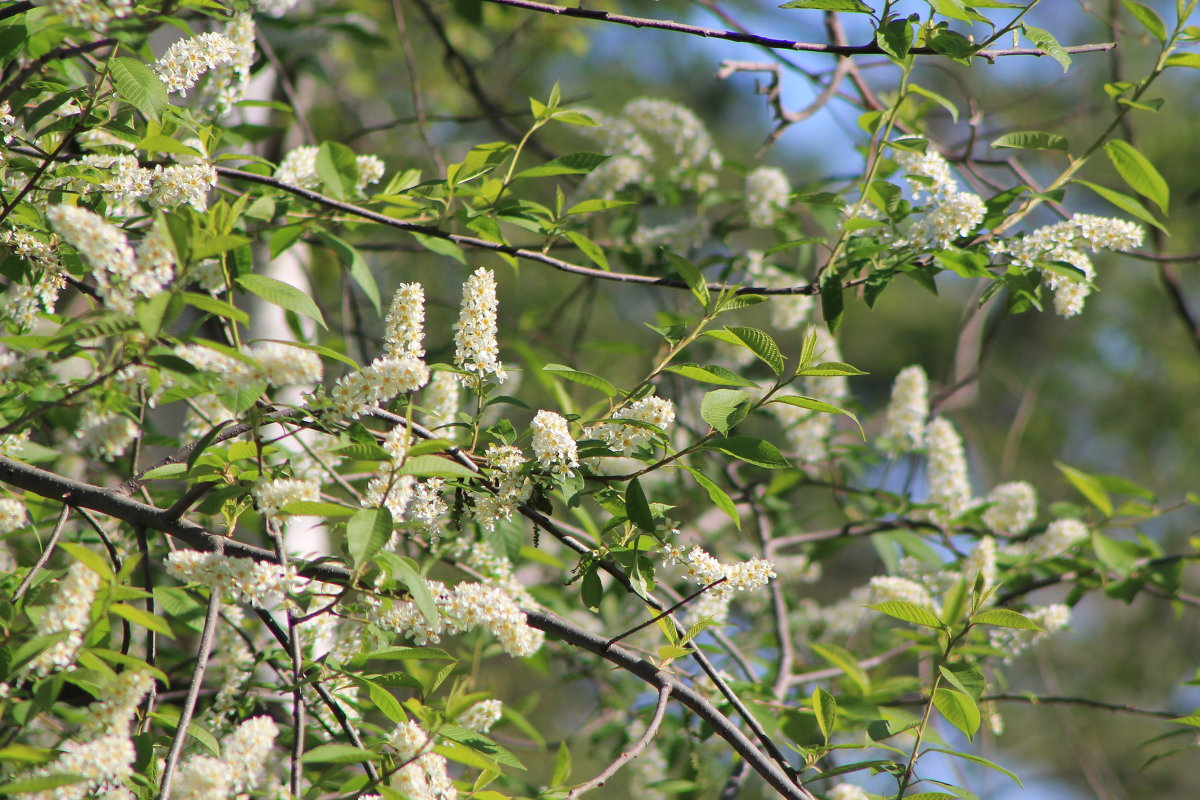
871 49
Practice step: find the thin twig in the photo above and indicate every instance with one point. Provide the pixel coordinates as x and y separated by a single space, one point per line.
660 710
189 704
767 41
665 612
27 581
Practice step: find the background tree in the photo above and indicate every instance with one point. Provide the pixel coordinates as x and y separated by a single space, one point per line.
393 434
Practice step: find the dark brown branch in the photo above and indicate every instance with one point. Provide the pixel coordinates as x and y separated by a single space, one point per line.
767 41
1035 700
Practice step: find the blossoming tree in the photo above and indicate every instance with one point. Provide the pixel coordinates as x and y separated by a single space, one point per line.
343 554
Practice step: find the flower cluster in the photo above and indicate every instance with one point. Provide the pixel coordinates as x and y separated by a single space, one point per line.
1013 509
440 398
808 431
228 82
623 438
512 488
907 410
427 508
476 349
388 488
1012 641
13 515
94 15
299 168
481 716
240 768
950 213
404 328
69 612
243 579
105 433
384 378
946 465
553 444
767 193
187 59
465 607
26 300
423 776
704 569
1059 537
273 495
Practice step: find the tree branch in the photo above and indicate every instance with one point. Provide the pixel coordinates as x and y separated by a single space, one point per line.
660 710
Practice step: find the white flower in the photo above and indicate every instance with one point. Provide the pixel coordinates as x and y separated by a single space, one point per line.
404 329
889 587
947 218
245 752
12 515
283 365
69 612
94 15
928 165
181 184
1012 641
767 192
441 399
476 349
105 433
553 444
904 429
1059 537
384 378
949 485
104 247
370 170
1014 508
187 59
512 488
299 167
273 495
981 563
245 579
624 439
848 791
481 716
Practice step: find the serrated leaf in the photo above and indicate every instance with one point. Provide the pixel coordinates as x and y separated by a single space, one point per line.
718 496
137 85
571 164
1148 17
977 760
90 558
932 95
908 612
1005 618
582 378
282 294
594 205
813 404
895 38
844 660
718 376
145 619
367 532
852 6
1089 487
759 452
1045 41
762 345
959 710
829 369
1032 140
1125 203
825 707
1137 171
1184 60
443 247
721 408
216 307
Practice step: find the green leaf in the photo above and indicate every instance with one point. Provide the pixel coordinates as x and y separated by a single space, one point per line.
637 507
443 247
1148 17
722 409
753 451
1089 487
828 369
825 706
711 374
367 532
282 294
966 678
718 496
1138 172
356 265
692 277
762 345
813 404
958 709
24 754
977 760
1005 618
1045 41
853 6
41 783
1184 60
90 558
844 660
337 167
338 754
571 164
405 570
1124 202
142 618
308 508
593 251
381 698
562 766
1032 140
895 38
216 307
932 95
430 466
591 589
909 612
137 85
583 378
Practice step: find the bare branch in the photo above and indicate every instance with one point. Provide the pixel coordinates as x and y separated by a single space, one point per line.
660 710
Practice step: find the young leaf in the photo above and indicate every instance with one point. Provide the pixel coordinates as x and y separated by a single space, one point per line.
958 709
825 706
583 378
721 408
759 452
139 86
1045 41
637 507
1032 140
692 277
282 294
816 405
844 660
366 532
1088 486
762 345
1005 618
1138 172
1124 202
852 6
909 612
1148 17
571 164
718 496
718 376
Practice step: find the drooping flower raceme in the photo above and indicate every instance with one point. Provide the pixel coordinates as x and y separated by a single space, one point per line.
511 487
703 569
94 15
949 485
424 775
187 59
299 168
476 349
1059 537
1012 641
69 612
384 378
1014 508
553 444
950 213
244 579
273 495
907 410
481 716
767 191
